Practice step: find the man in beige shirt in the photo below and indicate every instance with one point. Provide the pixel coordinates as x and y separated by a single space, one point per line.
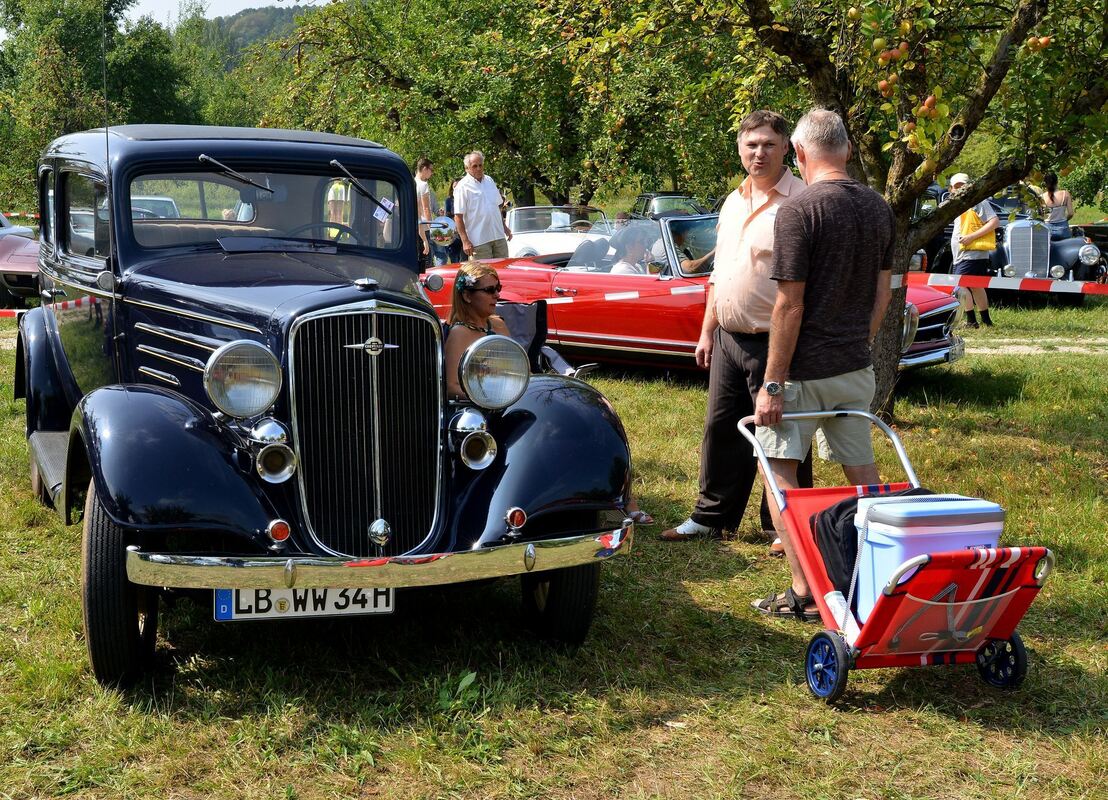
734 337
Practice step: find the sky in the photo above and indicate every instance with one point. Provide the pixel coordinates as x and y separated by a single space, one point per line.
165 11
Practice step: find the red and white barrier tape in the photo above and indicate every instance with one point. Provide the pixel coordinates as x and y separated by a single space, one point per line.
1018 284
80 302
20 215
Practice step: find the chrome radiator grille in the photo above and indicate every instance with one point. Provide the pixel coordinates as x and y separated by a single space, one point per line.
1028 246
367 427
935 327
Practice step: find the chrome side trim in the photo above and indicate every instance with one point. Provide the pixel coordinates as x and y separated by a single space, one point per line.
157 374
617 338
165 355
227 323
311 572
203 342
94 291
627 349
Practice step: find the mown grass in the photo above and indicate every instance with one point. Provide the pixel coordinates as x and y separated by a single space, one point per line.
681 689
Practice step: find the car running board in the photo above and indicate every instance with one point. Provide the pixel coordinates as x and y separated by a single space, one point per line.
48 449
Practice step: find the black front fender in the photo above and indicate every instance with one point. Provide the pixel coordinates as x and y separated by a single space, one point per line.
563 458
36 377
160 462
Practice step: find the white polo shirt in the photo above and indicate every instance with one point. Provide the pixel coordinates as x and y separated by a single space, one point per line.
479 205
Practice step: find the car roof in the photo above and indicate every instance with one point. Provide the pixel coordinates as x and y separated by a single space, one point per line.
152 133
128 142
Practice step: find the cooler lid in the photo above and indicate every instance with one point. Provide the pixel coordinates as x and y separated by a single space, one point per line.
950 510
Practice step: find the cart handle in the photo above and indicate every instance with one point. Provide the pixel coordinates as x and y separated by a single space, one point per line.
746 423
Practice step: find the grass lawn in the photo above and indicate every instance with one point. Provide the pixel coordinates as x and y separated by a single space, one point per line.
681 690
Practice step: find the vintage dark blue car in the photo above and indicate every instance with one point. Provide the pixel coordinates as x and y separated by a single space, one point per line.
1024 249
247 398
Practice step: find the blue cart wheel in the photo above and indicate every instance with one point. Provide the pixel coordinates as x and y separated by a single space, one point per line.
1003 662
826 665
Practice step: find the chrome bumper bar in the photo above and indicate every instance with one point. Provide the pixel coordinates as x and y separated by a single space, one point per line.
311 572
942 355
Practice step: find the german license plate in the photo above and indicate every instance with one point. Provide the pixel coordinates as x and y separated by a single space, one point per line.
236 605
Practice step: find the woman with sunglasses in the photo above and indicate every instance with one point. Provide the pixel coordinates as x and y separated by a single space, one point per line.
472 315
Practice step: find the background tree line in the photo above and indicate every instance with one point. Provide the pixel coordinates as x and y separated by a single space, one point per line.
569 98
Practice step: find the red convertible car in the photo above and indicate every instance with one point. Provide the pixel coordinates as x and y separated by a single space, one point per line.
653 315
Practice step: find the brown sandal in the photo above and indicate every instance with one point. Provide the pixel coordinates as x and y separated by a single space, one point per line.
787 604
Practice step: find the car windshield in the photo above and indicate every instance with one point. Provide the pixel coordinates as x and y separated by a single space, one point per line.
208 208
534 219
693 239
685 204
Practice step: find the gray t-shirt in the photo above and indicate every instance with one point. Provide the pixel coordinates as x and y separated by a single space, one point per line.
836 236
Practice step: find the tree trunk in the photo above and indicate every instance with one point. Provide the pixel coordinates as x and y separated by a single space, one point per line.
524 195
887 346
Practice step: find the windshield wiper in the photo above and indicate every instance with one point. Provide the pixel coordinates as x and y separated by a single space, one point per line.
238 176
361 189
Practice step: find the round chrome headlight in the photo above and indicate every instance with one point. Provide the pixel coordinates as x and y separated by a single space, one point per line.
1057 271
1089 254
911 325
1009 271
242 378
494 372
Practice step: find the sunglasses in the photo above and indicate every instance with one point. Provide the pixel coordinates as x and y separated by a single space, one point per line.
495 289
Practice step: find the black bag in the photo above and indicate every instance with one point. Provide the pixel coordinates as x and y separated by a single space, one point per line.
837 537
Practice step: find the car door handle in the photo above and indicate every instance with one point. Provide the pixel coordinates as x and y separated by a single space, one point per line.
560 290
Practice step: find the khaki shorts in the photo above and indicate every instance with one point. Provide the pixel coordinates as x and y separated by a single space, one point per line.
497 248
845 440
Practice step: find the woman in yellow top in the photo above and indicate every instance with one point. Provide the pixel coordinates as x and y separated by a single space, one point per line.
1059 207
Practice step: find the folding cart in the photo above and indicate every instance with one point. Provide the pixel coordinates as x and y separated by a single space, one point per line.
953 607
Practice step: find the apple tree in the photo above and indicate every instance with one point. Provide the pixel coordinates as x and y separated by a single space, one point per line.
914 80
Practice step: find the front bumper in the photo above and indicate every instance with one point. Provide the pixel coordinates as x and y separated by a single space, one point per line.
946 354
311 572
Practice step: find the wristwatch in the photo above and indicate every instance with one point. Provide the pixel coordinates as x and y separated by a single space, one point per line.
773 388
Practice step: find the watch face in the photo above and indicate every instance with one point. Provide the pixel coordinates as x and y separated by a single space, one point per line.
773 388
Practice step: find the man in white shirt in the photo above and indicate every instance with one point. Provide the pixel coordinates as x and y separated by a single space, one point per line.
477 204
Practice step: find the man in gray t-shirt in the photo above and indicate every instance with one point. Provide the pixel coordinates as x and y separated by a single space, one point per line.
833 250
973 262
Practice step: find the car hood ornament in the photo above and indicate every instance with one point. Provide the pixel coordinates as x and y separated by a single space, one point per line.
371 346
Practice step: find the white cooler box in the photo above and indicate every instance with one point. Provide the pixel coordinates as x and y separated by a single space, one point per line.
902 528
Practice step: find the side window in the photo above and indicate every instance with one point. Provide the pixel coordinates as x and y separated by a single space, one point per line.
85 216
46 206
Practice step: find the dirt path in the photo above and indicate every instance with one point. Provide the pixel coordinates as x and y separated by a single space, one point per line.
1042 345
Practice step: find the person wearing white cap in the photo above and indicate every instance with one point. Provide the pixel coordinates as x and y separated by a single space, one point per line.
973 225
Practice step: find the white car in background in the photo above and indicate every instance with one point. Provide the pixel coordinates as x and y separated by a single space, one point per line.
545 230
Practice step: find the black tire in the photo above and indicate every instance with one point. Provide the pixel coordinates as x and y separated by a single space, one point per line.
38 487
826 665
121 618
1002 663
559 604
